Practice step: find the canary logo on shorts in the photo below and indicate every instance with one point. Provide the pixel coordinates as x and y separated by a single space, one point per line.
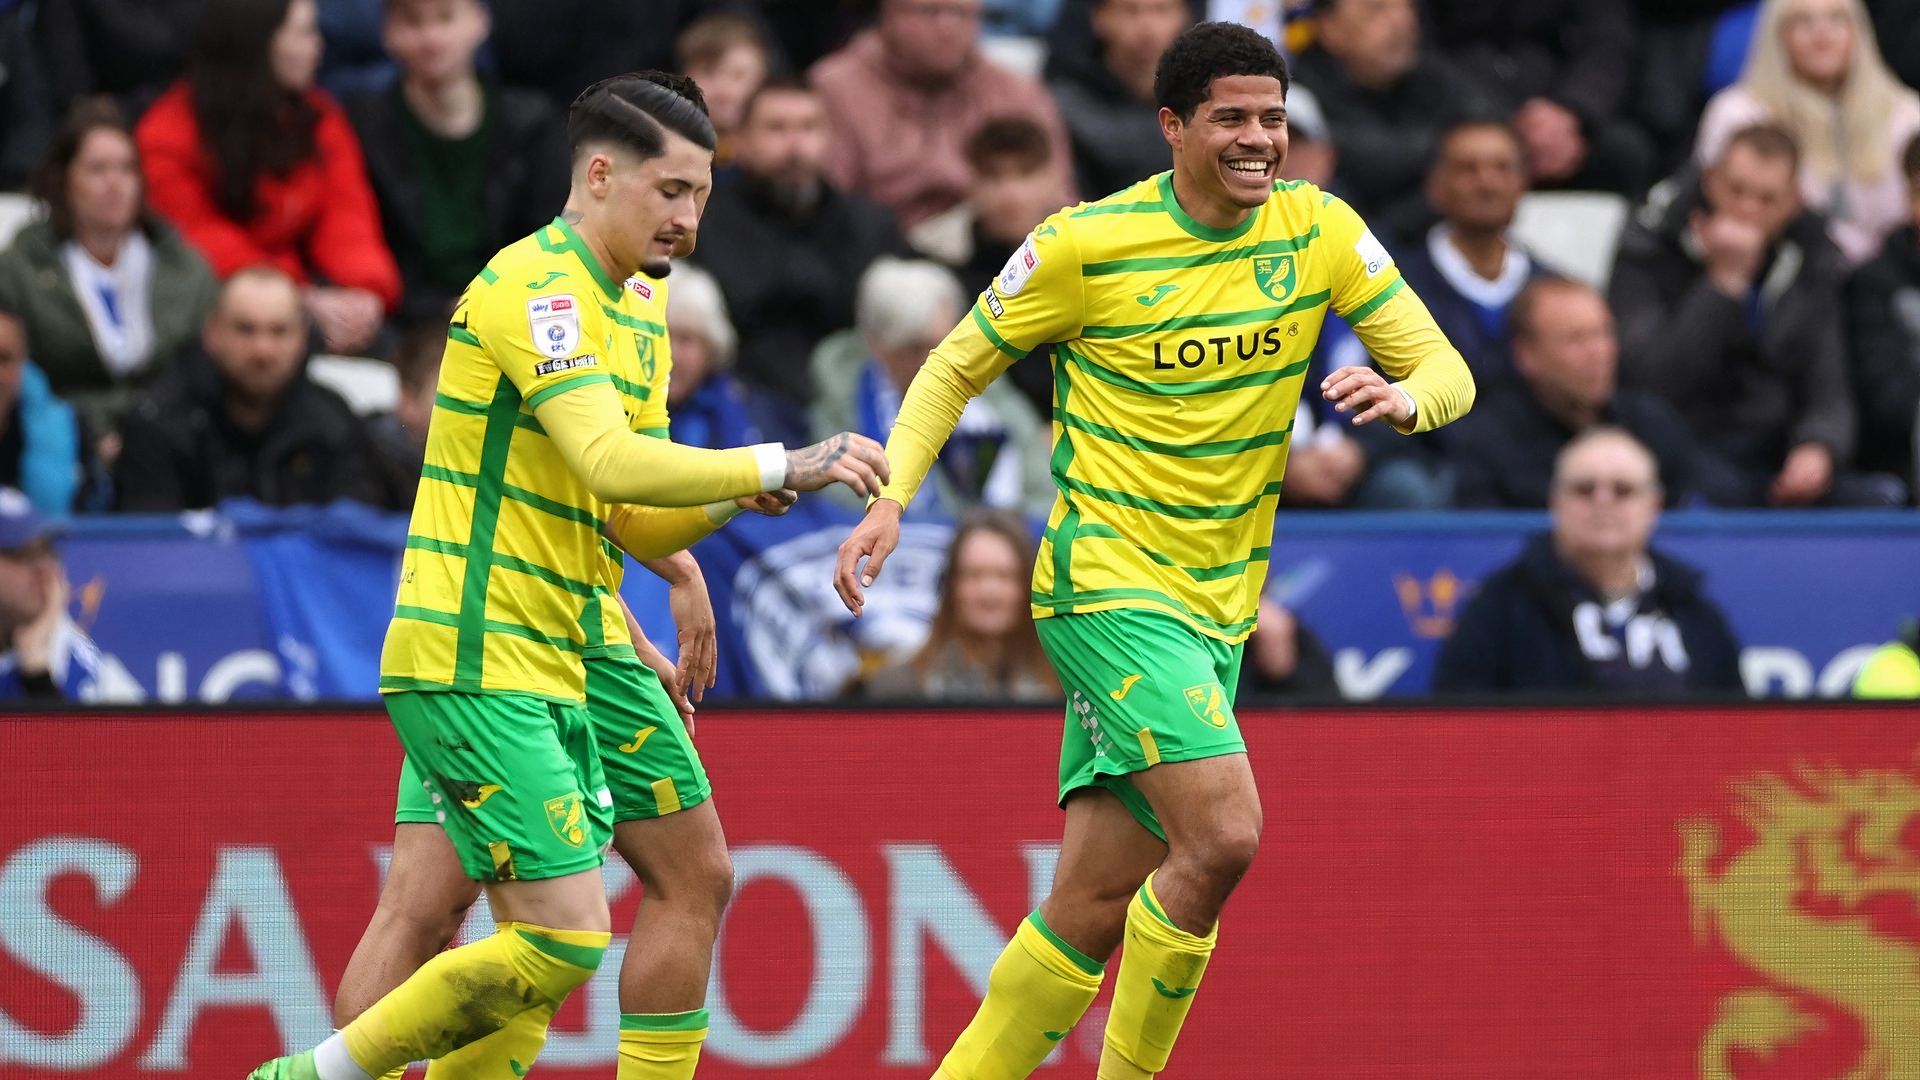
567 816
1209 703
638 738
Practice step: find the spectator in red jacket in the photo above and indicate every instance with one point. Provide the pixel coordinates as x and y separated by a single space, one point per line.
257 166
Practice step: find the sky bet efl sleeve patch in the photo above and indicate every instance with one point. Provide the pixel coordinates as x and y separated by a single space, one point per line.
1013 277
554 324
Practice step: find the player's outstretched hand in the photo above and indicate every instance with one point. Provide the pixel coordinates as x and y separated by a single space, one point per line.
873 540
846 458
770 503
1362 393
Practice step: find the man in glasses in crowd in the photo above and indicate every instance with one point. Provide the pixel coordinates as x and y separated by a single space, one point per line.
1590 607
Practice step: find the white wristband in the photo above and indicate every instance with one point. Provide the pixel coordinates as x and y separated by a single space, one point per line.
721 512
1413 407
772 458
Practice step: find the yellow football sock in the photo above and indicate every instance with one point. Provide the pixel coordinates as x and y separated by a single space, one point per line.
469 993
661 1046
1035 994
506 1054
1160 968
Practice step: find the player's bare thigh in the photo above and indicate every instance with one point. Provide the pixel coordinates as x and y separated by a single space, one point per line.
1104 856
1210 809
422 903
680 858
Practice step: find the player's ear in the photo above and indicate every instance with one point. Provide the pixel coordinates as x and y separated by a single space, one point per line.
1171 127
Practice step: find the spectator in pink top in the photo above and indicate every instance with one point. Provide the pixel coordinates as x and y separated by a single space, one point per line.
1815 70
905 96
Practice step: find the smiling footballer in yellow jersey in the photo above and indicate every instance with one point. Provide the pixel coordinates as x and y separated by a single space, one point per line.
1178 316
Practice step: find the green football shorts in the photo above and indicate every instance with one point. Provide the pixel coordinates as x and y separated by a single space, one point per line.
515 781
1142 688
646 755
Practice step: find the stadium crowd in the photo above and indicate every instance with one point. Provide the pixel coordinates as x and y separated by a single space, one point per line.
1677 241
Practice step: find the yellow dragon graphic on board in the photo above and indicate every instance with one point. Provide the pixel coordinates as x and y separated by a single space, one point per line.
1829 834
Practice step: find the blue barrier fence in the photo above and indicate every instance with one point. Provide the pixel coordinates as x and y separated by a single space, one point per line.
254 604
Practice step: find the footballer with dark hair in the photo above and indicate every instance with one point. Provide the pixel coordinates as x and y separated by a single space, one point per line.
1178 316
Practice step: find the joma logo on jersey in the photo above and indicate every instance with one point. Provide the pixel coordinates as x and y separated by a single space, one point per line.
1193 352
1275 275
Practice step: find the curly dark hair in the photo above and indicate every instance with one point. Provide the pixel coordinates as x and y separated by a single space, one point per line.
1209 51
632 111
250 125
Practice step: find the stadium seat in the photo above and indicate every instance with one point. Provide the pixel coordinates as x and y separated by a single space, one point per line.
370 386
15 212
1574 232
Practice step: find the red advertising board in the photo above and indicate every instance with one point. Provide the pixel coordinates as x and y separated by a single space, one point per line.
1487 894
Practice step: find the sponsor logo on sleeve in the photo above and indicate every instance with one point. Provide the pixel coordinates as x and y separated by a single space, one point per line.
1373 253
568 363
993 303
1013 277
554 324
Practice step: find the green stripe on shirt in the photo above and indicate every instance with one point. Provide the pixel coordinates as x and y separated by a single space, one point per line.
1217 448
1180 389
1209 320
1184 262
1173 510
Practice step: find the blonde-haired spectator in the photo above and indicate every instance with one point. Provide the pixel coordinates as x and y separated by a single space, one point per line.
1815 70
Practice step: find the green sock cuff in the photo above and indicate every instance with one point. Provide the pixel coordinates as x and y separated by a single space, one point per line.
1152 903
691 1020
1080 960
579 954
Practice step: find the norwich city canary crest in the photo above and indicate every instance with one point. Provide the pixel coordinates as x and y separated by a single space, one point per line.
1275 275
1209 703
567 816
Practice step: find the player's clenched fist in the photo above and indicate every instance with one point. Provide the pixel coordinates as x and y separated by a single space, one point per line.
873 540
846 458
1361 393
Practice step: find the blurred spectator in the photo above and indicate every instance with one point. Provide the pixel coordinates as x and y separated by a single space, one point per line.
1590 608
244 420
47 658
1469 270
26 105
41 452
1562 68
109 293
1883 302
130 49
461 167
256 165
1387 101
1688 51
998 453
399 438
1814 71
356 59
1310 151
1012 192
1106 96
1897 25
729 56
1728 295
561 47
1567 358
785 244
708 406
903 98
982 646
1285 660
1071 38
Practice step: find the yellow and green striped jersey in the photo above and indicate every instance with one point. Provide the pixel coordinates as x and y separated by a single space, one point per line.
647 409
1178 353
504 584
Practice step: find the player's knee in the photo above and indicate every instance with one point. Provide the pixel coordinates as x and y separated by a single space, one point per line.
714 883
1225 853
